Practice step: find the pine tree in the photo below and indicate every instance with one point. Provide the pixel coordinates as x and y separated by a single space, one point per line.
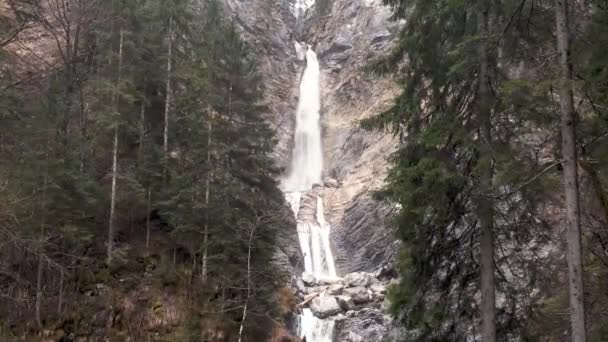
215 193
458 173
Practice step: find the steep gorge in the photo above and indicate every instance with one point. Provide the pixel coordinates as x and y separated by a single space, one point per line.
346 35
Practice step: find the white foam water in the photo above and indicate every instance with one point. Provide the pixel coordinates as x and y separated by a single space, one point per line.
306 170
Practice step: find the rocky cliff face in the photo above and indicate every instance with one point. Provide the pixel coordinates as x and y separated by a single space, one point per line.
346 34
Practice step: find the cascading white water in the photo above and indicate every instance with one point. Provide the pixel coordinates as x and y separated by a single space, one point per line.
306 170
307 162
300 6
316 330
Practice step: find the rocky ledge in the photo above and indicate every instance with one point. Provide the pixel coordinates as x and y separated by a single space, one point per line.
355 302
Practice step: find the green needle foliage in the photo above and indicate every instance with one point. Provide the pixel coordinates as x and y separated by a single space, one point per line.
212 199
439 175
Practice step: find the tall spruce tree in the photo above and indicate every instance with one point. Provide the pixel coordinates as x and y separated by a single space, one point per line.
459 172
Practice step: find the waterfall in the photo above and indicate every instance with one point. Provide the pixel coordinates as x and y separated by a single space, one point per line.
307 162
316 330
306 170
300 7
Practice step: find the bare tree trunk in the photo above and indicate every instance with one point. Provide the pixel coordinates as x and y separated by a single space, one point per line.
168 90
60 301
148 219
113 196
83 130
115 153
142 122
39 291
248 283
41 238
207 194
486 204
571 186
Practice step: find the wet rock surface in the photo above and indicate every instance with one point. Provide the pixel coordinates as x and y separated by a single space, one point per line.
347 34
355 302
367 324
358 279
325 306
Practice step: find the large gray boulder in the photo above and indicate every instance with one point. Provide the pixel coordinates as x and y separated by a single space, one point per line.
378 288
358 279
325 306
331 183
354 337
346 303
335 289
360 295
308 279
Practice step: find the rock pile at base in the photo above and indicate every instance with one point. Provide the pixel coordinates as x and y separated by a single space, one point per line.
355 302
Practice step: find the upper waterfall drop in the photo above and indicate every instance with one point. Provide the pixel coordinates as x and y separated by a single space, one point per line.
307 160
300 6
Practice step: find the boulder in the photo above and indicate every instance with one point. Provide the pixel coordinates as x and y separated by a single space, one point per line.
300 286
325 306
326 280
331 183
316 289
358 279
359 294
335 289
378 288
387 271
308 279
346 303
354 337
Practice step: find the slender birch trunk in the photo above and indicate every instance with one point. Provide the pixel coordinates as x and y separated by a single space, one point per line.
168 90
39 290
41 238
41 252
60 301
115 152
569 163
148 207
207 195
142 122
486 204
248 283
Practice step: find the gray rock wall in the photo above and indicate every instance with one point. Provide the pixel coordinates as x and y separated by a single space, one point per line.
346 38
346 34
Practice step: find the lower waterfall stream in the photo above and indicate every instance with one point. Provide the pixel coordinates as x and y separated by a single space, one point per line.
306 171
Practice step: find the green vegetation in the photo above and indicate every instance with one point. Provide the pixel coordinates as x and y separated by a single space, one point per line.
481 161
137 188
